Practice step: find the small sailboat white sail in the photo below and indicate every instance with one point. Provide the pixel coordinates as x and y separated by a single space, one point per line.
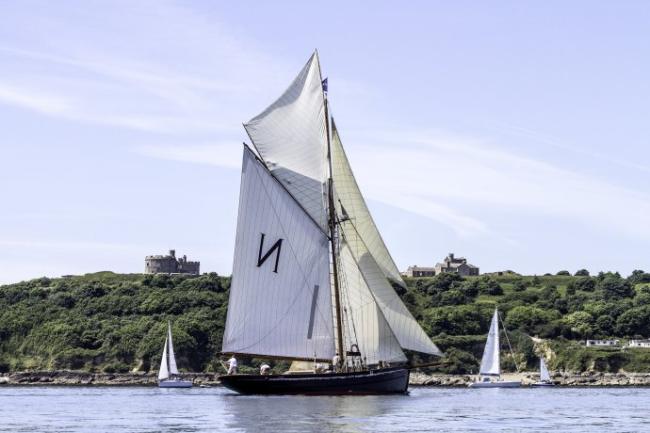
168 375
490 372
544 376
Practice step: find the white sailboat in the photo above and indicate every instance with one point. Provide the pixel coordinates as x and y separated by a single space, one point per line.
168 375
544 376
490 372
312 277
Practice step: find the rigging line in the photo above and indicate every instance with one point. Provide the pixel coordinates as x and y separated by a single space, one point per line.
304 275
379 311
512 353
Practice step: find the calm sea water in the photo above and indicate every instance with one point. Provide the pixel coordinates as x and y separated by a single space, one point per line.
105 409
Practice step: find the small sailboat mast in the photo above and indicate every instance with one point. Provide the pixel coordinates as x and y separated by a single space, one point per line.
490 363
173 370
168 366
544 375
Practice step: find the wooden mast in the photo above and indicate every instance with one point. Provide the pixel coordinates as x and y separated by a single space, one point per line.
332 227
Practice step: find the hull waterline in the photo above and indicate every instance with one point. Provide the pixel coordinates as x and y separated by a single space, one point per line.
497 384
175 384
385 381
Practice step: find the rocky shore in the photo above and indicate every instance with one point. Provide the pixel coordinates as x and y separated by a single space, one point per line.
560 379
79 378
99 379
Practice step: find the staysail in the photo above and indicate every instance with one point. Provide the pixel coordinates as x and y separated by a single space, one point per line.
290 136
172 358
163 371
280 297
490 363
544 376
366 325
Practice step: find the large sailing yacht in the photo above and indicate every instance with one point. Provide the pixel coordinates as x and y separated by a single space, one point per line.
312 277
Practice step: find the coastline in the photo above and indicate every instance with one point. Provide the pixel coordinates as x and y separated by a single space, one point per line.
79 378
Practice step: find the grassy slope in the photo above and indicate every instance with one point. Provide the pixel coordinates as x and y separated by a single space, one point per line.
112 322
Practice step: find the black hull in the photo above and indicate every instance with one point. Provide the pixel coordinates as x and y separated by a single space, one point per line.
385 381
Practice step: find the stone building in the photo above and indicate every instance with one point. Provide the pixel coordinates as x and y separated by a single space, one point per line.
419 271
456 265
169 264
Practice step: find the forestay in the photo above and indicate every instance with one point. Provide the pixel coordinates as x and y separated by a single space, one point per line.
290 136
490 363
280 297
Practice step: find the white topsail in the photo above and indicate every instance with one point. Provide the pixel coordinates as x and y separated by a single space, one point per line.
544 376
280 298
290 136
163 372
281 293
490 363
172 358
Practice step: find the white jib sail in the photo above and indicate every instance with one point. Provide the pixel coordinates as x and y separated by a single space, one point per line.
544 376
290 136
352 200
172 358
490 363
280 297
163 372
365 323
406 329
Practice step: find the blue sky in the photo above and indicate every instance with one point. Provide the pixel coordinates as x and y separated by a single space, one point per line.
513 133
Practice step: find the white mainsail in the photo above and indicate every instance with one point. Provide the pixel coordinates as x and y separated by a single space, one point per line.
280 297
290 136
544 376
163 372
281 293
172 359
490 363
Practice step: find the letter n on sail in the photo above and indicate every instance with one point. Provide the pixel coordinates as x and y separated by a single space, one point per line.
262 258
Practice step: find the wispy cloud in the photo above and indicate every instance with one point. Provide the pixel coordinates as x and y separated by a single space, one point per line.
130 82
457 179
222 155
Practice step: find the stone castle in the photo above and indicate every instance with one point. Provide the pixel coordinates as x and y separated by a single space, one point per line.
169 264
457 265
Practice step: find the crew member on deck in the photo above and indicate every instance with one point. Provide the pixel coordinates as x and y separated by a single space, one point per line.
336 362
232 365
265 369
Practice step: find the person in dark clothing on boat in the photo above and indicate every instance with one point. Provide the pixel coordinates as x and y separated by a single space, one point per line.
265 369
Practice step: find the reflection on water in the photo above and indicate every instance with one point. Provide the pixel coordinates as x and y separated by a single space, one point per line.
306 414
102 409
